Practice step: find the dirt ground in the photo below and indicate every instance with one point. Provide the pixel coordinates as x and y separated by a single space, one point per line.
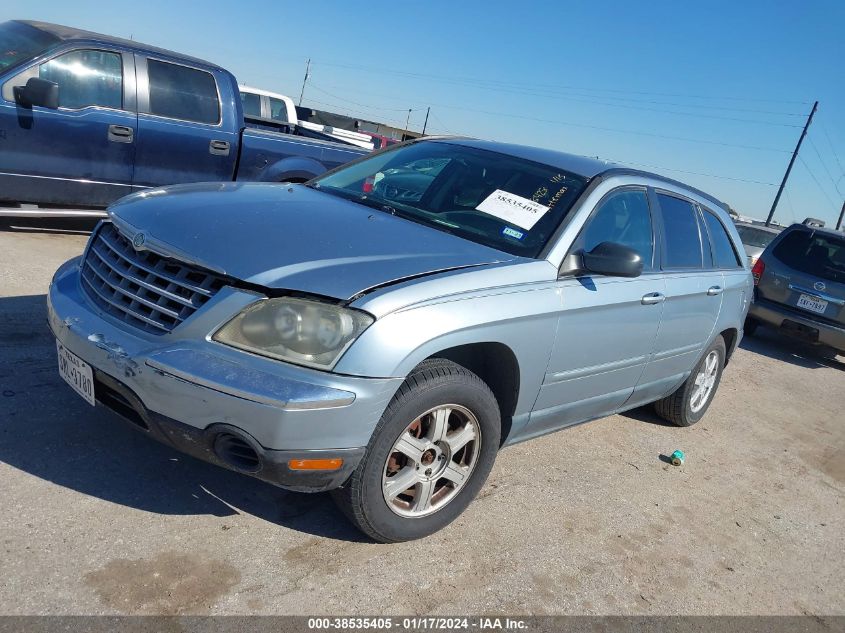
97 519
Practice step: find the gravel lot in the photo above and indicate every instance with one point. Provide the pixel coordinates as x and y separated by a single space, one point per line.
98 519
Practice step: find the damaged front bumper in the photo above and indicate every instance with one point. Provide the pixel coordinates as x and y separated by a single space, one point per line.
228 407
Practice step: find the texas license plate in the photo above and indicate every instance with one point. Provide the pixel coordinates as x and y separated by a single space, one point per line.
812 304
77 373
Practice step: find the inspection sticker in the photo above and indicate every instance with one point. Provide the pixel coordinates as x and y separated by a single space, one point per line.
513 209
517 235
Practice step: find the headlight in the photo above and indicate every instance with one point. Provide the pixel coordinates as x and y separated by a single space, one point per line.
295 330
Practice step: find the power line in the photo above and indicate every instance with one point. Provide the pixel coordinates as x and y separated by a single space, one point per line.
833 150
824 165
363 105
477 81
696 173
816 180
592 100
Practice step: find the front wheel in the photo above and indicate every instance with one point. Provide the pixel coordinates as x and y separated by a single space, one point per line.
429 455
689 402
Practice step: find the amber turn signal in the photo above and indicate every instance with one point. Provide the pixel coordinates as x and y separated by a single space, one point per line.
315 464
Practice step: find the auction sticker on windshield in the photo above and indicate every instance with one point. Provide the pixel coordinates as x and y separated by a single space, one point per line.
513 209
77 373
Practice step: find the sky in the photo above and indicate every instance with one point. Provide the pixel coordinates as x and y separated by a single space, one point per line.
710 93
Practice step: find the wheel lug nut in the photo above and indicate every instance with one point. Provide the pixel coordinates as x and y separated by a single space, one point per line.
428 472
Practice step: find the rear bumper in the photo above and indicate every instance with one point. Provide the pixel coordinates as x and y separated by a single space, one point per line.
798 324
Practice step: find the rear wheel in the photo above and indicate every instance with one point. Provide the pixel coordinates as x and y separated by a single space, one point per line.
689 402
429 455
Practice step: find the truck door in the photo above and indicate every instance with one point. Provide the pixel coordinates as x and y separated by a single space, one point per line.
182 133
81 153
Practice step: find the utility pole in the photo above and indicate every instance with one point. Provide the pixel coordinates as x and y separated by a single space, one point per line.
841 215
426 119
791 163
407 121
304 79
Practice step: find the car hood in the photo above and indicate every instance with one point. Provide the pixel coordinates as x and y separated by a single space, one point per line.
291 237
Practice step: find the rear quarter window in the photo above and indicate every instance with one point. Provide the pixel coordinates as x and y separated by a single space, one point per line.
724 255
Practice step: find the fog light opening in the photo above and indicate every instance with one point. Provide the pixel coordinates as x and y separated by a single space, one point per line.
237 453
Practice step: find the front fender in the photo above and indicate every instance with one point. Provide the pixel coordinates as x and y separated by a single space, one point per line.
524 320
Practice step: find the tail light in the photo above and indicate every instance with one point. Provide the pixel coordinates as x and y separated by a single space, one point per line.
757 270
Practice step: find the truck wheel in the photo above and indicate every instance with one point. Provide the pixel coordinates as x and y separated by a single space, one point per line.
428 457
689 402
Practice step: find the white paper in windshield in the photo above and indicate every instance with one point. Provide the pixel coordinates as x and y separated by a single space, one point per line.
513 209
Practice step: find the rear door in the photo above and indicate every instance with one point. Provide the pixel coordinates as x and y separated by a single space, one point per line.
694 288
182 134
607 325
806 271
83 152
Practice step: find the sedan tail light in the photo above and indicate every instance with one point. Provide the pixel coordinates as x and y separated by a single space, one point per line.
757 270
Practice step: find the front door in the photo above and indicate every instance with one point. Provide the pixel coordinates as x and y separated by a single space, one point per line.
607 325
82 153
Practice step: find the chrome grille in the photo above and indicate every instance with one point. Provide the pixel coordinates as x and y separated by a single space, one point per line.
142 288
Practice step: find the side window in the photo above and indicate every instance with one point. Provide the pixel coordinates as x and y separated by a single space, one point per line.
86 78
278 111
723 250
251 103
179 92
681 235
623 217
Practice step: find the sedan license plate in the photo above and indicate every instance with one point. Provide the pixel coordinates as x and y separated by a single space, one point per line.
77 373
813 304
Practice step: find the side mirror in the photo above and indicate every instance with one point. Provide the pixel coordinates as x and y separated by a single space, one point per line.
613 260
38 92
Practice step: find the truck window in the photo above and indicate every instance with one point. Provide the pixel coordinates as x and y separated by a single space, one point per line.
681 235
278 110
179 92
251 103
86 77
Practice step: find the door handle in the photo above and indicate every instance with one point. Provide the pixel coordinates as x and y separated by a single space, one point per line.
652 298
121 134
712 291
219 148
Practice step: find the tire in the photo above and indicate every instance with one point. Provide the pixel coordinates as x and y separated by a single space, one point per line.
363 498
751 325
682 407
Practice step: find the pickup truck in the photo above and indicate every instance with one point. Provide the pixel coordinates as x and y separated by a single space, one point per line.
87 118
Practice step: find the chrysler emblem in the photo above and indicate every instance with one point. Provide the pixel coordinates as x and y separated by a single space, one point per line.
138 240
819 286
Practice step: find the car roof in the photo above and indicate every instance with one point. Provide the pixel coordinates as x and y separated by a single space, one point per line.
581 165
66 33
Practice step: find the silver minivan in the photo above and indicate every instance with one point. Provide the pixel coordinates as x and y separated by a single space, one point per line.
383 330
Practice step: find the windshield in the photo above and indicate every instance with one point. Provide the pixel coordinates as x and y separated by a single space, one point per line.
501 201
21 42
755 237
814 253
